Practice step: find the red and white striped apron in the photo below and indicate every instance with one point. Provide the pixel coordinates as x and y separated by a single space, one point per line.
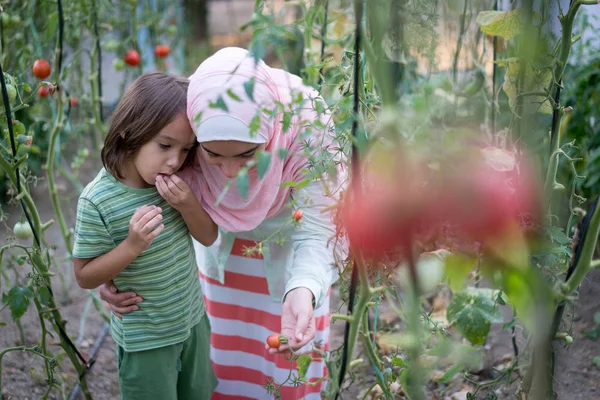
242 315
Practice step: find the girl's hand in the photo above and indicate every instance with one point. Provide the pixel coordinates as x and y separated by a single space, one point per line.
144 227
297 320
120 303
176 192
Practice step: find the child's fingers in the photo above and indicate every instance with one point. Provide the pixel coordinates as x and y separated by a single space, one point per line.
155 232
149 226
149 215
161 189
139 212
177 182
168 189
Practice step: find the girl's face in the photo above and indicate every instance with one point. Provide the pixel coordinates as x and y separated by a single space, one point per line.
164 154
229 155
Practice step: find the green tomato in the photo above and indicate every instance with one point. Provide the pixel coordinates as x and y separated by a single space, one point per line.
111 45
568 339
12 95
171 29
6 22
118 64
22 231
18 128
15 19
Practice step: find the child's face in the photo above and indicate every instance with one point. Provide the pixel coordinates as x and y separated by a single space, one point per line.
165 153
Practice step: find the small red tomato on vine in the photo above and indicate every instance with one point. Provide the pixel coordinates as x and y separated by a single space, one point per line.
43 91
297 215
73 101
41 69
22 231
275 340
132 58
162 50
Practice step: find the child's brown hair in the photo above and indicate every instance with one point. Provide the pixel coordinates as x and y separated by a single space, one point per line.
150 103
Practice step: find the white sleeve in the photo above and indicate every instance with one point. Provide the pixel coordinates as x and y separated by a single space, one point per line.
314 243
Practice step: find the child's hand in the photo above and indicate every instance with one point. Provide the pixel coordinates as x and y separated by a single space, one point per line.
143 227
176 192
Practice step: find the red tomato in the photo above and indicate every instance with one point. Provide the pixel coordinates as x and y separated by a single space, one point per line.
73 101
389 212
41 69
43 91
132 58
275 340
162 50
297 215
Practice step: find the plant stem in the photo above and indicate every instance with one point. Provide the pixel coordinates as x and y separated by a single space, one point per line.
372 356
461 34
416 374
50 165
32 349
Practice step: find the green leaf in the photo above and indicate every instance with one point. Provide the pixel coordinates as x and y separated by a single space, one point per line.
506 24
535 81
596 361
473 311
233 95
283 154
457 268
220 103
44 293
254 125
287 121
2 323
262 163
249 88
597 318
51 27
399 362
18 300
242 182
303 364
223 193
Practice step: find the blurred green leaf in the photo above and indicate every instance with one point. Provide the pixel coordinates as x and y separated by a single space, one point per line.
262 163
303 363
242 182
18 299
473 311
506 24
220 103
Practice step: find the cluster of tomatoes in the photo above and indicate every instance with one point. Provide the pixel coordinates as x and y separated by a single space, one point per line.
132 57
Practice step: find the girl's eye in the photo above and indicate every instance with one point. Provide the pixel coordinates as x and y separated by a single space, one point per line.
250 155
163 146
187 150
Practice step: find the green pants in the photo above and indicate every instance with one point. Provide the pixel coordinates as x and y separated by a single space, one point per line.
182 371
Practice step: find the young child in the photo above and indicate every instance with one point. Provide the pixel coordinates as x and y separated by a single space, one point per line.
133 226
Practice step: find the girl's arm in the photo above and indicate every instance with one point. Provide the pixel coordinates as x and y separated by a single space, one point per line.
314 248
93 272
179 195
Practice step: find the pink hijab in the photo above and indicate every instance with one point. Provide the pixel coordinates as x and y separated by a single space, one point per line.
227 71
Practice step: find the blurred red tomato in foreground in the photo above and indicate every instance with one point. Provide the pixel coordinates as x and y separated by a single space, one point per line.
481 198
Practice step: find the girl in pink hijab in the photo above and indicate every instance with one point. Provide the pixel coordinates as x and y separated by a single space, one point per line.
235 107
